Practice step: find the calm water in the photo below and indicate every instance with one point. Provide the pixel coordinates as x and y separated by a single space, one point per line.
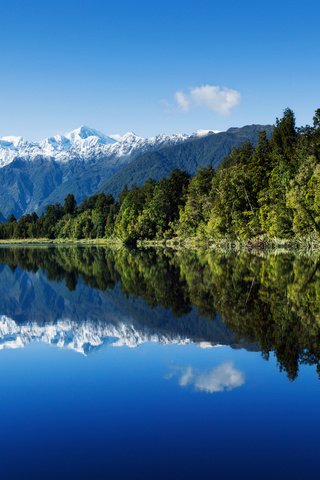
143 365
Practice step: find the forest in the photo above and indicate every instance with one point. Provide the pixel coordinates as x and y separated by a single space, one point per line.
271 190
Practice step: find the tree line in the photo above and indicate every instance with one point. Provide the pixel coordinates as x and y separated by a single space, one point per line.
271 190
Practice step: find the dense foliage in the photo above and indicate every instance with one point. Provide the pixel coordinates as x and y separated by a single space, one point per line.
270 190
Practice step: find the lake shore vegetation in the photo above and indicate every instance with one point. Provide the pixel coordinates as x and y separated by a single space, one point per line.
260 197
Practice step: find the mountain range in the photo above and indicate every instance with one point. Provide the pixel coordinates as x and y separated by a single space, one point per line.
84 161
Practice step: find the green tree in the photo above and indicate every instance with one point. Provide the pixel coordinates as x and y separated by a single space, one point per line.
304 198
70 204
194 214
285 136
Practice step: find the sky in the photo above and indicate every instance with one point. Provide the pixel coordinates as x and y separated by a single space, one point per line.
155 66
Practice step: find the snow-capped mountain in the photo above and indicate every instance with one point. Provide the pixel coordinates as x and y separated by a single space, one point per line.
84 337
83 143
86 161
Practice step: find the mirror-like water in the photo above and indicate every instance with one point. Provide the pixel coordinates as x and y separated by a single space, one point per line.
155 364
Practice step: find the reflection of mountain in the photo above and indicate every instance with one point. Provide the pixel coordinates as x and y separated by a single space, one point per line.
237 300
34 308
84 336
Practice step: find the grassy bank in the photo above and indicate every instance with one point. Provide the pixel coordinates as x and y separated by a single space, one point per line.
60 241
260 244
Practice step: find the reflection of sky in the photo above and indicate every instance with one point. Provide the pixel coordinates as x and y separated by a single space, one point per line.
114 411
218 379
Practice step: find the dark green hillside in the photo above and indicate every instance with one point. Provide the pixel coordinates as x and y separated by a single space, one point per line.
187 156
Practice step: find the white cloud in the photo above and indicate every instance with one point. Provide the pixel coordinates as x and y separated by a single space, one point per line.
212 97
218 379
182 101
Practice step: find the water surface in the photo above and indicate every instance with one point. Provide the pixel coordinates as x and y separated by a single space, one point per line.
158 364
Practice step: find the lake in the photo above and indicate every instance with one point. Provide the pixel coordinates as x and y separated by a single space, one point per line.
158 364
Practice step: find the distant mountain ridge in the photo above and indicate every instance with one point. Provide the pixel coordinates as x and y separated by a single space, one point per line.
82 143
197 151
85 336
84 161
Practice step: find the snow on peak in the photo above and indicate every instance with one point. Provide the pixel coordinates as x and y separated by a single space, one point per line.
124 138
85 144
11 141
83 337
83 133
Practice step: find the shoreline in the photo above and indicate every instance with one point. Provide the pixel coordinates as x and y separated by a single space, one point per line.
256 246
260 245
45 242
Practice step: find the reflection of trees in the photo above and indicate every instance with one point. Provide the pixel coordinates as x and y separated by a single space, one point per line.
274 300
155 277
95 266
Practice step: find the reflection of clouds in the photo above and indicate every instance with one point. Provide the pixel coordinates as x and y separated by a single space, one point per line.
218 379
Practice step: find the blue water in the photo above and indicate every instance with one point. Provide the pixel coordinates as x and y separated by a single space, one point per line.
158 410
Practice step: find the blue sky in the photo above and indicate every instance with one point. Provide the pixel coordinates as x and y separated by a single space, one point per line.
151 67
